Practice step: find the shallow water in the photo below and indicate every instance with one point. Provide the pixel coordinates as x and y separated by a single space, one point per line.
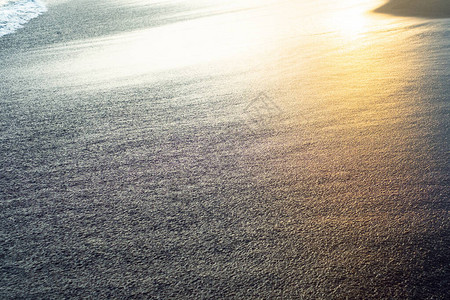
14 14
228 150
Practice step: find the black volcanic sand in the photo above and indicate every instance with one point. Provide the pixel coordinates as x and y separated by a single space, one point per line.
161 191
417 8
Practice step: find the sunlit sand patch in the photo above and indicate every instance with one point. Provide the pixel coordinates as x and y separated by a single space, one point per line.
150 52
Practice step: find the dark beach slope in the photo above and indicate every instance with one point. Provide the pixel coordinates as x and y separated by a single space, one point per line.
417 8
168 188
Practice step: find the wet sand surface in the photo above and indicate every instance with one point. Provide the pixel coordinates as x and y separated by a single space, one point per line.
191 150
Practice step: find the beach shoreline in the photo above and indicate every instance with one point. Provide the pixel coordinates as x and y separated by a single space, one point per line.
174 151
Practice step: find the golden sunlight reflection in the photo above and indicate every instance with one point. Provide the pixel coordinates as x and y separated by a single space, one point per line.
350 79
182 44
350 121
350 22
249 34
340 160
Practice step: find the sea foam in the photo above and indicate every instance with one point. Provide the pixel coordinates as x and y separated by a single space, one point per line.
14 14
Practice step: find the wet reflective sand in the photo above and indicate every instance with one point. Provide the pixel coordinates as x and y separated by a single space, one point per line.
250 149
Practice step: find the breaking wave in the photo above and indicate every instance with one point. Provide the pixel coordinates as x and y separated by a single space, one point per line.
14 14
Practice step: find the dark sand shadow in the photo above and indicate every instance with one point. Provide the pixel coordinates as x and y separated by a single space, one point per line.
417 8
